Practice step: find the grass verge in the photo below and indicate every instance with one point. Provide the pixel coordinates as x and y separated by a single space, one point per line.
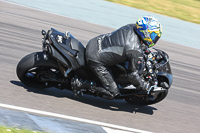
188 10
4 129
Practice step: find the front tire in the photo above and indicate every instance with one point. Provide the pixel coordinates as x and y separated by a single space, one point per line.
146 100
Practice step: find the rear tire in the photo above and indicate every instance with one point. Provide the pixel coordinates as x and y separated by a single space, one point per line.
27 69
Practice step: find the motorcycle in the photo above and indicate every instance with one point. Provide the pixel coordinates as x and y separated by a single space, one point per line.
63 57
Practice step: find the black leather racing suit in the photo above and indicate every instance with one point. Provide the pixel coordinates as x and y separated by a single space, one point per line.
109 49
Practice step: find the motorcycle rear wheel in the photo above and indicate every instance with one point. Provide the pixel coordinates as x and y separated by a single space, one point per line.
33 68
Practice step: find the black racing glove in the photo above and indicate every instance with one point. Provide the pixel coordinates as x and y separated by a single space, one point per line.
144 86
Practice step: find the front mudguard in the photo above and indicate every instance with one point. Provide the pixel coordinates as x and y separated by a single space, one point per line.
167 76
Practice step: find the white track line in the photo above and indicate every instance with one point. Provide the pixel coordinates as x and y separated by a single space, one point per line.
109 130
73 118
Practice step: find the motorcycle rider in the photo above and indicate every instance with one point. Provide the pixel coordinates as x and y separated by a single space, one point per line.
124 44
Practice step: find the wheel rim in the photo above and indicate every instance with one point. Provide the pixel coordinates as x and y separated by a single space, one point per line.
38 76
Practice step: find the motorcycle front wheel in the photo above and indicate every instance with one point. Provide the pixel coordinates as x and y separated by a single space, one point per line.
138 100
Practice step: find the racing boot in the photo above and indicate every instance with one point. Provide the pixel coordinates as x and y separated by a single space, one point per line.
103 93
114 89
109 94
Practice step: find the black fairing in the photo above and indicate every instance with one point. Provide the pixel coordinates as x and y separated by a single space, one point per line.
78 46
70 51
166 73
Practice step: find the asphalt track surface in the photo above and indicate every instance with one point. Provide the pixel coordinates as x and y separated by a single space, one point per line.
20 35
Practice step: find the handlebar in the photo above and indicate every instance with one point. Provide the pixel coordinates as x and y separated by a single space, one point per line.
153 62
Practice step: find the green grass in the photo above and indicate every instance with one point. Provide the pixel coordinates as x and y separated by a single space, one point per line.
4 129
188 10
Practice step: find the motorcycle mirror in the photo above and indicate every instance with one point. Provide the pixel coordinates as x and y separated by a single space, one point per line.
43 32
